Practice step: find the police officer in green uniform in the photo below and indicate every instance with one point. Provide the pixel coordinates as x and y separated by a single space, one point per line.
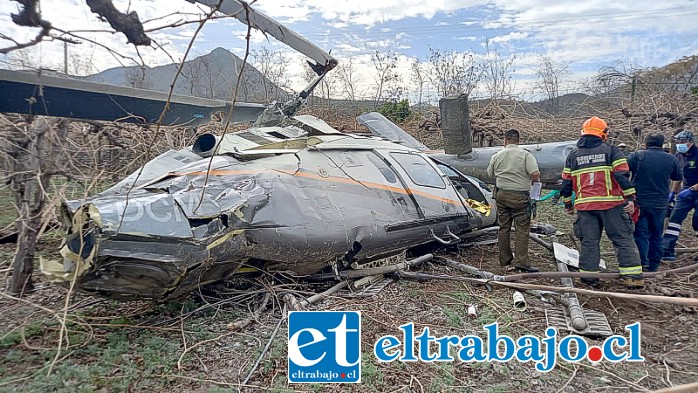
514 169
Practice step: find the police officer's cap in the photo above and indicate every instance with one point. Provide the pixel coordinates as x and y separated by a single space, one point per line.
684 135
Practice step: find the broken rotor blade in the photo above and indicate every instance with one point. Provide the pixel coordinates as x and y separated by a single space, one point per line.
32 93
268 25
379 125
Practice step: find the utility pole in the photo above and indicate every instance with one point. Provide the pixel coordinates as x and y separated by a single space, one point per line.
65 57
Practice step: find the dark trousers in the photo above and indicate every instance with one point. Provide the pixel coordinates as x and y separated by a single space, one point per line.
513 207
680 212
619 228
648 236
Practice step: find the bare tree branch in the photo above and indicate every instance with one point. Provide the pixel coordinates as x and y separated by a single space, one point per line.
39 37
28 16
128 24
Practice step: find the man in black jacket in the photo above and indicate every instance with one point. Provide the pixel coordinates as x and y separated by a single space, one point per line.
652 171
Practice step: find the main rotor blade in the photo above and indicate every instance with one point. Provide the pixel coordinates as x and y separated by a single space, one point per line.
31 93
379 125
268 25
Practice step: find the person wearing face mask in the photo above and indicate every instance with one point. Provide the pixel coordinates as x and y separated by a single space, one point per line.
685 200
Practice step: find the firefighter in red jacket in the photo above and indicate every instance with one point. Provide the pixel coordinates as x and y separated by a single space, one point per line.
598 173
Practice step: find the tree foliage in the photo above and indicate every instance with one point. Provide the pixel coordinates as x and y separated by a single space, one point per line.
396 111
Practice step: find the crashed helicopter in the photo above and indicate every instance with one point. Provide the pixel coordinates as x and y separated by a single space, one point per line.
289 194
297 197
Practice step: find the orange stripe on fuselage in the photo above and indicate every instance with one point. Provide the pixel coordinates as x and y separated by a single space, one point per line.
334 179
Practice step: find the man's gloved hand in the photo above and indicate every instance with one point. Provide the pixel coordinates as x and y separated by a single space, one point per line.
685 194
569 208
672 196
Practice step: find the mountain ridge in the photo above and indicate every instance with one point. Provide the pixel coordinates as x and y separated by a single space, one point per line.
213 75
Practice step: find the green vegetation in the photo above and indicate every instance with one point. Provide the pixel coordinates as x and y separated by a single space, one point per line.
14 337
453 317
118 361
396 111
444 378
371 375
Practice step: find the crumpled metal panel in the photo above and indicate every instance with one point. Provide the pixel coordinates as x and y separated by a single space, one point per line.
144 214
319 126
156 168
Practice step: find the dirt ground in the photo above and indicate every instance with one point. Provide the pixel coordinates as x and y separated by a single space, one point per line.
186 345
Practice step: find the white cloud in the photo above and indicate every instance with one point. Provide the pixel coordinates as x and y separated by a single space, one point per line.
256 36
516 35
338 25
364 12
346 48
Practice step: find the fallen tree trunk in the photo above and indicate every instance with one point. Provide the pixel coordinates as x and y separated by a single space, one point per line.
691 302
525 276
685 250
34 155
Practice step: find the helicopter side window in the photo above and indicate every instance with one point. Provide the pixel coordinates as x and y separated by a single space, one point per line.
382 167
448 171
419 170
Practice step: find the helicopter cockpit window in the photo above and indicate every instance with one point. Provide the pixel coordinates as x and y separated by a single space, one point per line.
382 167
448 171
419 170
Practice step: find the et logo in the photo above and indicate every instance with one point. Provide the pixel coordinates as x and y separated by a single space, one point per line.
324 347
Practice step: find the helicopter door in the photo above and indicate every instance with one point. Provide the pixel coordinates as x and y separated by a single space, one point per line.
433 191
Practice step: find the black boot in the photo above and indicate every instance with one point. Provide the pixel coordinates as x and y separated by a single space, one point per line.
592 282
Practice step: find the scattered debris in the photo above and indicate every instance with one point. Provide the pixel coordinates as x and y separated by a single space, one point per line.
519 301
472 311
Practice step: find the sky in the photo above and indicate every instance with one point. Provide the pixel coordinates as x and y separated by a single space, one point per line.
580 36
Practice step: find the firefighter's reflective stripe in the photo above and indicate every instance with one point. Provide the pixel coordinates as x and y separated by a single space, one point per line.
609 198
588 271
630 271
673 229
589 189
567 175
620 162
592 174
603 170
597 168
